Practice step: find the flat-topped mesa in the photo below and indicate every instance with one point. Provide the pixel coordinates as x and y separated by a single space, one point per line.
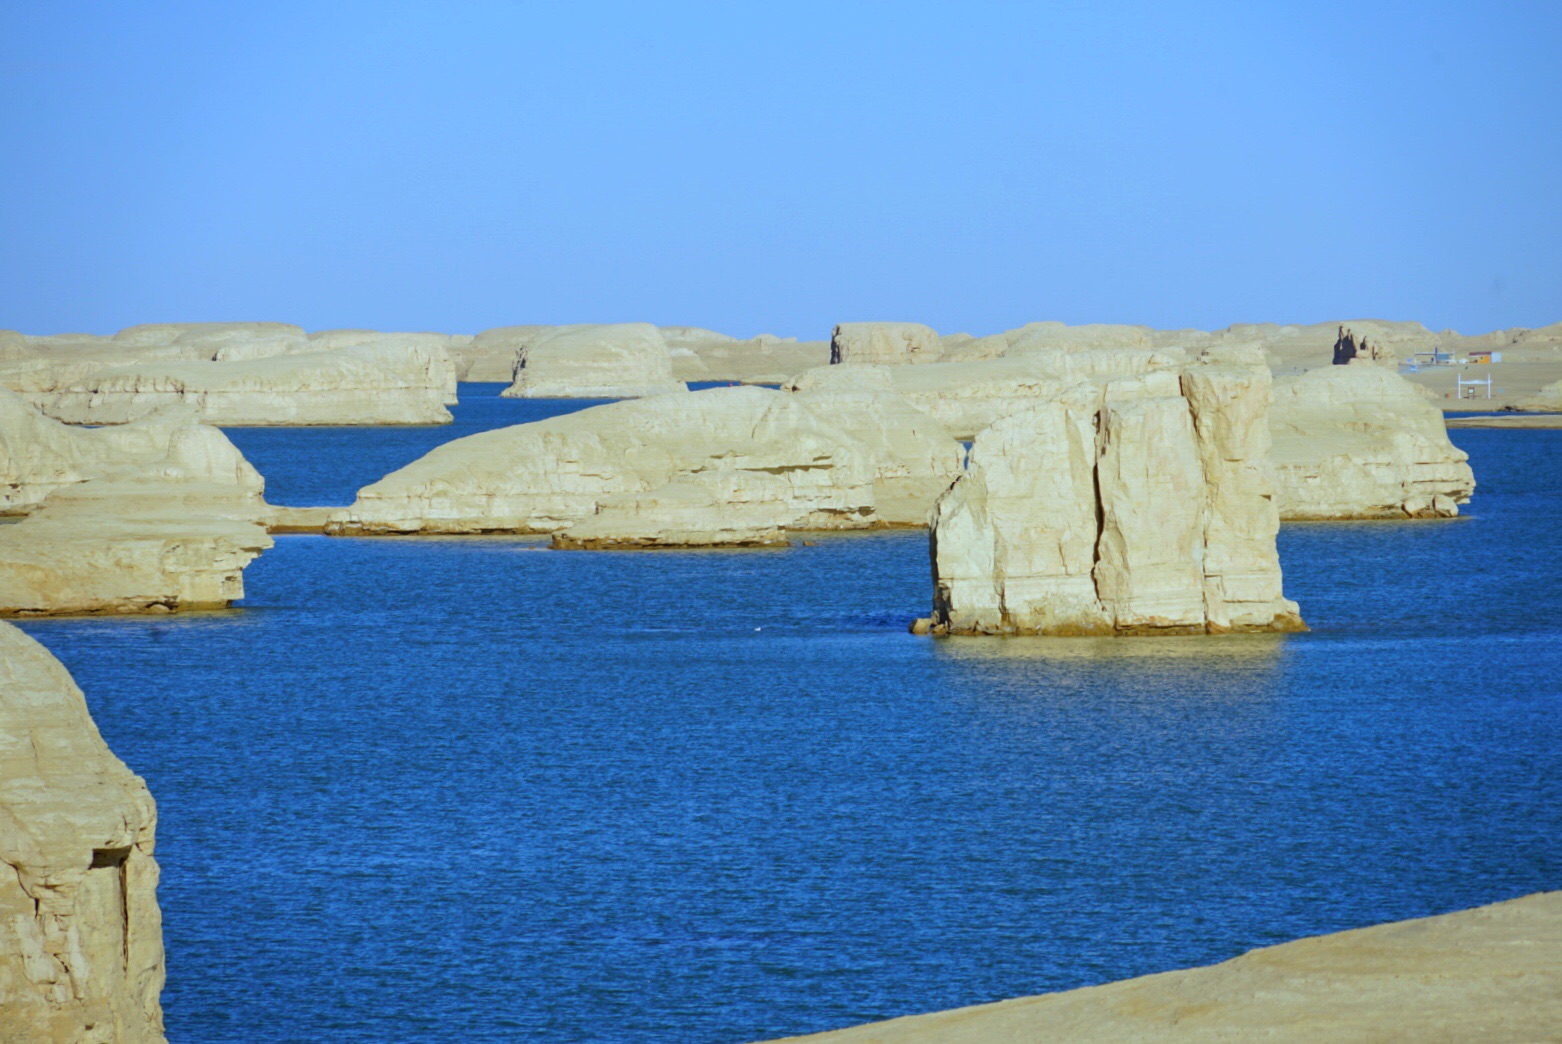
619 361
1362 442
81 945
1140 505
550 475
394 380
882 344
967 397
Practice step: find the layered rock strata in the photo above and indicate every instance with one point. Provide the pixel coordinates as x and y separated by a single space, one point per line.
1140 505
743 446
967 397
761 360
81 950
626 360
490 356
1491 973
109 546
40 455
1361 442
157 515
881 344
379 383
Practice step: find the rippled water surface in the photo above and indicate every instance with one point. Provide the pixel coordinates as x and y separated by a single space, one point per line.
474 790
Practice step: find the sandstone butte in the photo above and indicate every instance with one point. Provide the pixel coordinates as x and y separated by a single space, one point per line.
722 466
158 515
1135 505
1359 441
235 374
879 344
81 944
1493 973
621 361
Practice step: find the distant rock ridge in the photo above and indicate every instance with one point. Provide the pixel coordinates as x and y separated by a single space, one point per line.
620 361
1137 505
81 946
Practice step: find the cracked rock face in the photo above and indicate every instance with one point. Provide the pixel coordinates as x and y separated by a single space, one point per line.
618 361
1361 442
81 950
1139 505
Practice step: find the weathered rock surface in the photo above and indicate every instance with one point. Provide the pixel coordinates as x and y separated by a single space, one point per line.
762 360
436 346
620 361
491 355
379 383
107 546
1361 442
81 947
551 475
156 515
1493 973
967 397
915 458
39 455
881 344
1140 505
1349 349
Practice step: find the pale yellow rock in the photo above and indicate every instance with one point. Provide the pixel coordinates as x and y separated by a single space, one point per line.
490 356
881 344
550 475
1137 505
39 455
369 384
762 360
107 546
437 346
620 361
1360 442
81 949
915 458
708 509
1493 973
967 397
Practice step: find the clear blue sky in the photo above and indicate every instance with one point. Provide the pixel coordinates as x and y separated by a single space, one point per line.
779 167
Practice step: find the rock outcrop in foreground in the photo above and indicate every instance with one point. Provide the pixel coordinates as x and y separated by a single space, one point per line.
1493 973
1362 442
1140 505
622 361
81 944
727 466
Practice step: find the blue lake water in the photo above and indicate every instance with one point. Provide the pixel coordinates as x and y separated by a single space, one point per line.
474 790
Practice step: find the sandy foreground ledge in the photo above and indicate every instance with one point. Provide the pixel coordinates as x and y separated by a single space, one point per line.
1493 973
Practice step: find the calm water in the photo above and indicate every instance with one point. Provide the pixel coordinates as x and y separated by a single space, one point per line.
472 790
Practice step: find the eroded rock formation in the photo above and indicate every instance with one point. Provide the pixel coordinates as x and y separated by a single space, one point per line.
81 948
394 380
157 515
1137 505
1348 349
882 344
620 361
1362 442
550 475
